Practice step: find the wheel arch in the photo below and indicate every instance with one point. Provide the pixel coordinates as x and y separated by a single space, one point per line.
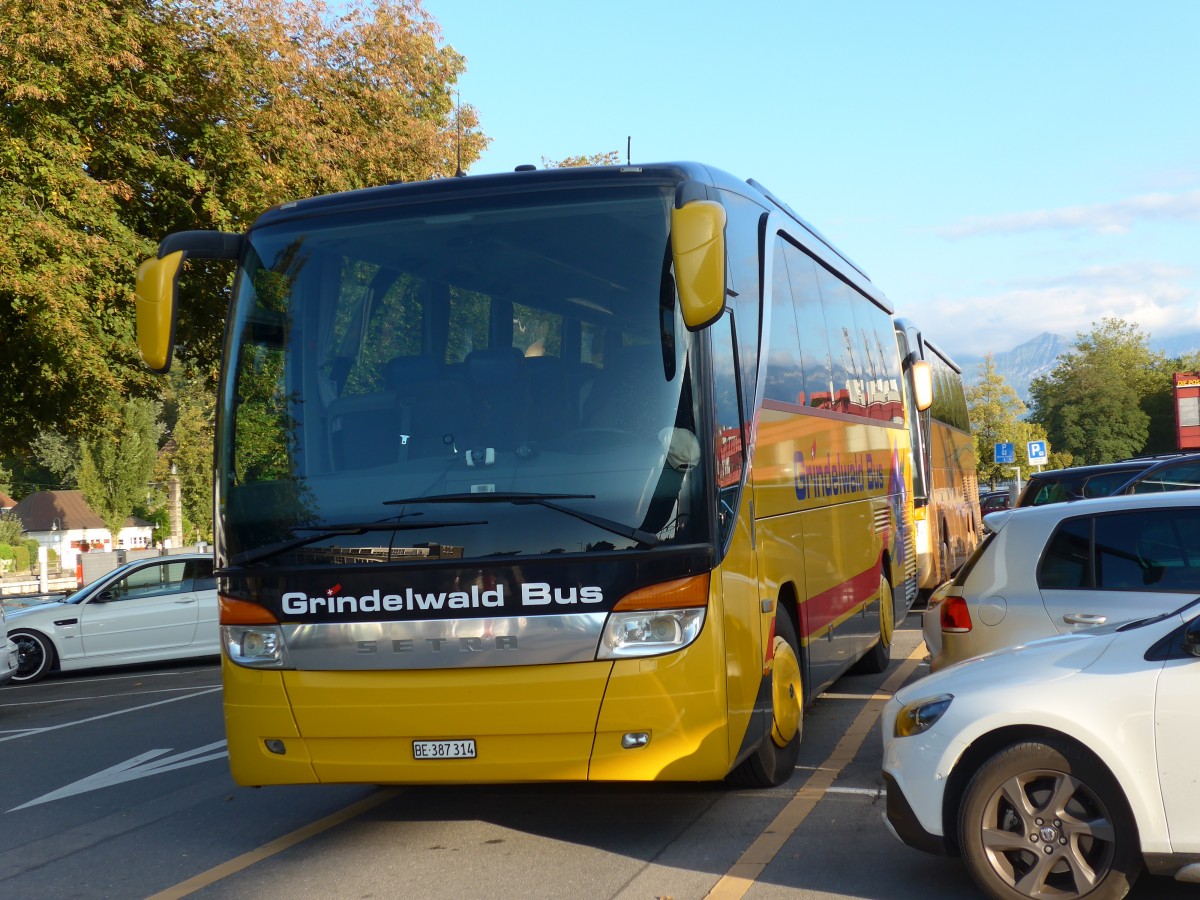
986 746
788 603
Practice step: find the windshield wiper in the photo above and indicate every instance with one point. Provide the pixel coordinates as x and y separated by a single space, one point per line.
522 498
350 528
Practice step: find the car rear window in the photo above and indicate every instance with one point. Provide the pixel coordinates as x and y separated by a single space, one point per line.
960 577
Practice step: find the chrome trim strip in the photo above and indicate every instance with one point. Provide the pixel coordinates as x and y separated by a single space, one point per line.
453 644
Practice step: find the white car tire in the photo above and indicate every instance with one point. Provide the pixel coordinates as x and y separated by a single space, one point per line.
1044 817
35 656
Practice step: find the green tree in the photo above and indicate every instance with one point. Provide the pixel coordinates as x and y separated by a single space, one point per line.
118 467
1092 404
191 426
995 410
10 528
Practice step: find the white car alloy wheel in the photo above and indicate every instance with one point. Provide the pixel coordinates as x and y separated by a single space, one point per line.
1039 820
35 656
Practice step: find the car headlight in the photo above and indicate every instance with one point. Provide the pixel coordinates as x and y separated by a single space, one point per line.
649 632
256 646
921 715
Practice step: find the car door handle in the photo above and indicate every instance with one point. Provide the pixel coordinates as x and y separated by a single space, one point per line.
187 600
1084 619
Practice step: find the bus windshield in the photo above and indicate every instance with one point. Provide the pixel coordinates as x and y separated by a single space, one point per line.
513 366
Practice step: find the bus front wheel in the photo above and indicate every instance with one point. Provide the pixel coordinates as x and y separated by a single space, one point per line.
775 760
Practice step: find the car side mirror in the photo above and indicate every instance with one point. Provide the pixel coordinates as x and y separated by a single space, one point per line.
1191 638
104 597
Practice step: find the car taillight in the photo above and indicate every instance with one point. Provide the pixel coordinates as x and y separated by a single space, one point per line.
956 618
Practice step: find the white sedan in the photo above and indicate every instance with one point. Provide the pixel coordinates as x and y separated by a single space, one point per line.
149 610
1058 768
8 652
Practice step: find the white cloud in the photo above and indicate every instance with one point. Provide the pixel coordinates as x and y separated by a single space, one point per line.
1160 299
1100 218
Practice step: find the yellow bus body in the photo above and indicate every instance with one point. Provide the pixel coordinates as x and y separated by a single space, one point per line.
530 723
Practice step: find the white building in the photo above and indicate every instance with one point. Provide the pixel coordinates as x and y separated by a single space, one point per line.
63 522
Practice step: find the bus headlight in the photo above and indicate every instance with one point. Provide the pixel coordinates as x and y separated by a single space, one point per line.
255 646
649 632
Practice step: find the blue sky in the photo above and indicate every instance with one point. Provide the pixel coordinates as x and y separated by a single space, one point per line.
998 170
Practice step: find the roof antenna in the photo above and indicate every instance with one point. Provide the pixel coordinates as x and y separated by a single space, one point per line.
458 173
628 144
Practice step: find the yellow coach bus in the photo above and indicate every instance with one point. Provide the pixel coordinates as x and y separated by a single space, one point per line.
577 474
945 481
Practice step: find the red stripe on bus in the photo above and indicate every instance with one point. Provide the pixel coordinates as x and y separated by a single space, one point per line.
822 610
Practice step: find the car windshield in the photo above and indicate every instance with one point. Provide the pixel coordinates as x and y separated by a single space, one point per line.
510 344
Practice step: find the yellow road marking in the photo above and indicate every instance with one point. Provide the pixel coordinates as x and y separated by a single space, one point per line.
741 876
238 863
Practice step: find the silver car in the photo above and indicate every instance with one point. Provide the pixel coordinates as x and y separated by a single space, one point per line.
1047 570
8 652
149 610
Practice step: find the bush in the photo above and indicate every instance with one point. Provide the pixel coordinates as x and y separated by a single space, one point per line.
32 546
6 557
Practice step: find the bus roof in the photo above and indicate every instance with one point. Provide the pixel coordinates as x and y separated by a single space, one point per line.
524 178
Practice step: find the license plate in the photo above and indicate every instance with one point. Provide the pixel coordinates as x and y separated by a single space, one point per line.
444 749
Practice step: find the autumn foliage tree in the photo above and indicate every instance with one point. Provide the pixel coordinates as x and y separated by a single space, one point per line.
123 120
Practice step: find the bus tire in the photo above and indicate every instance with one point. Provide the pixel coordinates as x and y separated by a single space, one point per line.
774 761
879 656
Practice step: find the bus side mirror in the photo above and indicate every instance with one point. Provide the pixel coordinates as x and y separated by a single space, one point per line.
155 295
698 251
157 281
922 378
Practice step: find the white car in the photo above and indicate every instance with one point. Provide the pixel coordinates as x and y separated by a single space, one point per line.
1058 768
8 652
1054 569
149 610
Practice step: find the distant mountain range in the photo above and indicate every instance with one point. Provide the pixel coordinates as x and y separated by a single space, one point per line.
1039 355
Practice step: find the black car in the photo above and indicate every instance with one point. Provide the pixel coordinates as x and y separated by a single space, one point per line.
1180 474
1081 482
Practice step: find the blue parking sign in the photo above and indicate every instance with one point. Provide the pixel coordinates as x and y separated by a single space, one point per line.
1037 453
1005 453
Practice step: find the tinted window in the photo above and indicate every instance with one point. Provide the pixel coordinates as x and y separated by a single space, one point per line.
202 576
741 239
1175 478
845 351
1103 485
1146 550
150 581
810 322
1066 563
785 377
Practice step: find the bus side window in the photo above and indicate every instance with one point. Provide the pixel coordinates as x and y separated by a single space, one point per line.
810 320
729 449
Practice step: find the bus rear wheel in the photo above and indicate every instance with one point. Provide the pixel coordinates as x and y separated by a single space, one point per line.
775 760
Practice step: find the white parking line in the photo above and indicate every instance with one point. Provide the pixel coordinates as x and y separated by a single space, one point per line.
190 687
874 793
119 712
